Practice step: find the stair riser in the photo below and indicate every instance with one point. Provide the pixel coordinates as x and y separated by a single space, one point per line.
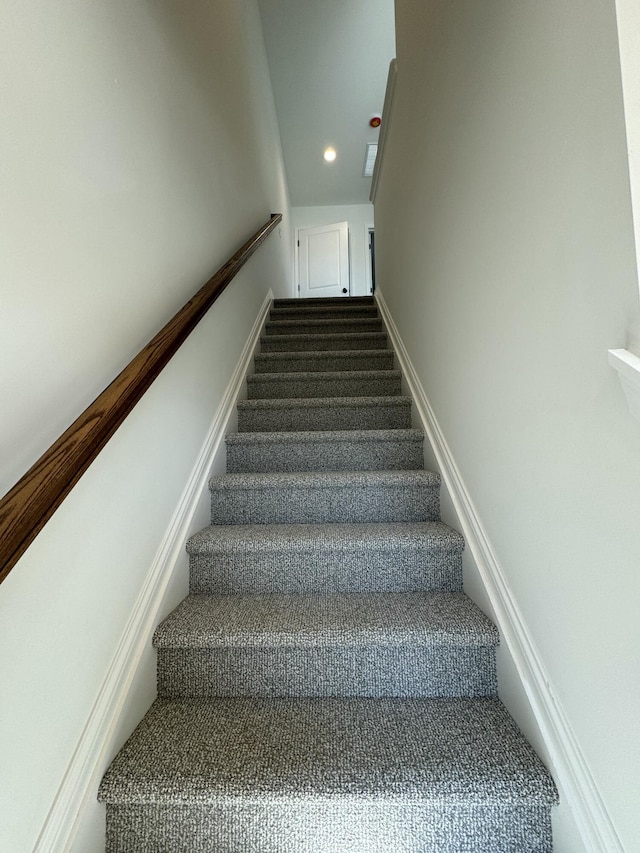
397 671
301 363
322 327
399 569
322 343
267 388
391 415
342 301
275 824
318 312
301 505
329 456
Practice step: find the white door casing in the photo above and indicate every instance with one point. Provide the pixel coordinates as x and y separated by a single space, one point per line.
323 260
369 273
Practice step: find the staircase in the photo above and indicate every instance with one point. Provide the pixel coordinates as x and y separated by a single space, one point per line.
326 687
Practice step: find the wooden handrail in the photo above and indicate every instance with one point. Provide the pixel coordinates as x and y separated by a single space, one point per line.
32 501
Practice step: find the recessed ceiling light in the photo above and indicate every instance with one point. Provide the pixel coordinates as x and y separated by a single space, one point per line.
329 154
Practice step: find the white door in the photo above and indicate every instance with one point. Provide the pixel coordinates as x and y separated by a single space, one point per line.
323 260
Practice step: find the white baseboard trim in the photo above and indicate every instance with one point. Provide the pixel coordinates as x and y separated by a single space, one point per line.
571 771
82 775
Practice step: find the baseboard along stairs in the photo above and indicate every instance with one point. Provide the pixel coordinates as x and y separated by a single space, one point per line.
326 686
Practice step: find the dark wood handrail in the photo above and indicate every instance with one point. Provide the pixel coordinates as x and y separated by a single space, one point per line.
32 501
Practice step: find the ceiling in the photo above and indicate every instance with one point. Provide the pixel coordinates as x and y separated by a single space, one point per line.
329 61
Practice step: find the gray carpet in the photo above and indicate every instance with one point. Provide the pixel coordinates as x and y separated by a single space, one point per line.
324 413
326 687
303 558
373 644
334 325
325 450
354 383
325 496
319 311
322 342
323 360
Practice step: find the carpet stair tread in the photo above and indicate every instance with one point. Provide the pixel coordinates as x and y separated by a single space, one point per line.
217 750
323 360
315 375
325 403
330 537
363 383
323 300
288 451
323 480
324 496
363 644
326 326
324 413
325 558
322 312
325 341
325 450
322 436
308 620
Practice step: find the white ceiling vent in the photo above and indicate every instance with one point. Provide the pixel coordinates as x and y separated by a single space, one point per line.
370 159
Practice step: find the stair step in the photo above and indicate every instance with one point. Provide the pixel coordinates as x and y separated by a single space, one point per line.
319 327
362 383
326 687
327 558
322 361
338 450
319 497
324 413
337 774
331 341
372 644
321 312
323 301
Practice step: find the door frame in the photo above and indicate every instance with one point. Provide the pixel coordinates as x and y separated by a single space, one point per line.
367 258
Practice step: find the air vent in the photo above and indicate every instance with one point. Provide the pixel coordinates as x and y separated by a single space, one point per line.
370 159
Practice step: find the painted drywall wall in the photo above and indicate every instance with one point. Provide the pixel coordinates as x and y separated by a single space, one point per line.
359 217
505 254
139 148
628 17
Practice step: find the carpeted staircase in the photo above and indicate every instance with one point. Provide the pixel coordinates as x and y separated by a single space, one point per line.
326 687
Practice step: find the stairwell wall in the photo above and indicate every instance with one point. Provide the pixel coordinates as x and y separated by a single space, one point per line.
139 149
505 254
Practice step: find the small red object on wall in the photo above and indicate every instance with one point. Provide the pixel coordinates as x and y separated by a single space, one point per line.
375 121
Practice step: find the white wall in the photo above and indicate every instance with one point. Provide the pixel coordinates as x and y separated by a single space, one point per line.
139 149
505 253
359 216
628 17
